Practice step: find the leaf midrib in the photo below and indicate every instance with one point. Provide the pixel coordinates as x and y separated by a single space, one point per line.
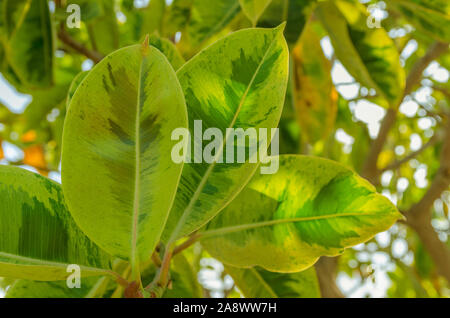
243 227
208 172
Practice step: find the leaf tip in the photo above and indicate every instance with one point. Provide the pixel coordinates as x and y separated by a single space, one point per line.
145 46
281 27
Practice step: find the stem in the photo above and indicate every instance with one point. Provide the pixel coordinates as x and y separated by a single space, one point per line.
188 243
80 48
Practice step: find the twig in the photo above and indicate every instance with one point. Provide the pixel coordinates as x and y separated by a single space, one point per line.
78 47
370 169
412 155
188 243
420 214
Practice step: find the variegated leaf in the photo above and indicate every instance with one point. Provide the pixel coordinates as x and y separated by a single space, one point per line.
284 222
369 55
118 175
239 82
294 12
429 16
38 237
315 97
29 41
259 283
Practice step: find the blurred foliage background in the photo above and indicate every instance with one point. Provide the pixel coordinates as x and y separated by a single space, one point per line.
368 88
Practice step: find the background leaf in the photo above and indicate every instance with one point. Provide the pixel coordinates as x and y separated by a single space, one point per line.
29 41
254 8
259 283
369 55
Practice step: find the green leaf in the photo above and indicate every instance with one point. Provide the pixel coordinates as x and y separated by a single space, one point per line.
153 17
74 86
284 222
177 17
184 280
207 20
259 283
29 41
254 8
104 30
240 81
118 175
315 97
38 237
33 289
429 16
369 55
294 12
169 50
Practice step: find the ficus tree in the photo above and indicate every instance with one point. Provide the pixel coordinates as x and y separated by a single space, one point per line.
106 99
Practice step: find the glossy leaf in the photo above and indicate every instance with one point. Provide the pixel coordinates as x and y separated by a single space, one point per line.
284 222
429 16
294 12
259 283
369 55
29 41
240 81
117 170
315 97
38 237
254 8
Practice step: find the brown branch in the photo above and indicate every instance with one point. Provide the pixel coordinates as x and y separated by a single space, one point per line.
78 47
326 269
420 214
399 163
370 169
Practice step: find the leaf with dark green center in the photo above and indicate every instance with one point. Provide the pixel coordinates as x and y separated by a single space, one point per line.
284 222
29 41
38 237
259 283
239 82
118 175
369 55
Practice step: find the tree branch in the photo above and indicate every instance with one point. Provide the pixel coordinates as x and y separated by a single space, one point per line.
399 163
78 47
370 169
420 214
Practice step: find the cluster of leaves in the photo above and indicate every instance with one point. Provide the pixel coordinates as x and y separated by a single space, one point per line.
127 214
